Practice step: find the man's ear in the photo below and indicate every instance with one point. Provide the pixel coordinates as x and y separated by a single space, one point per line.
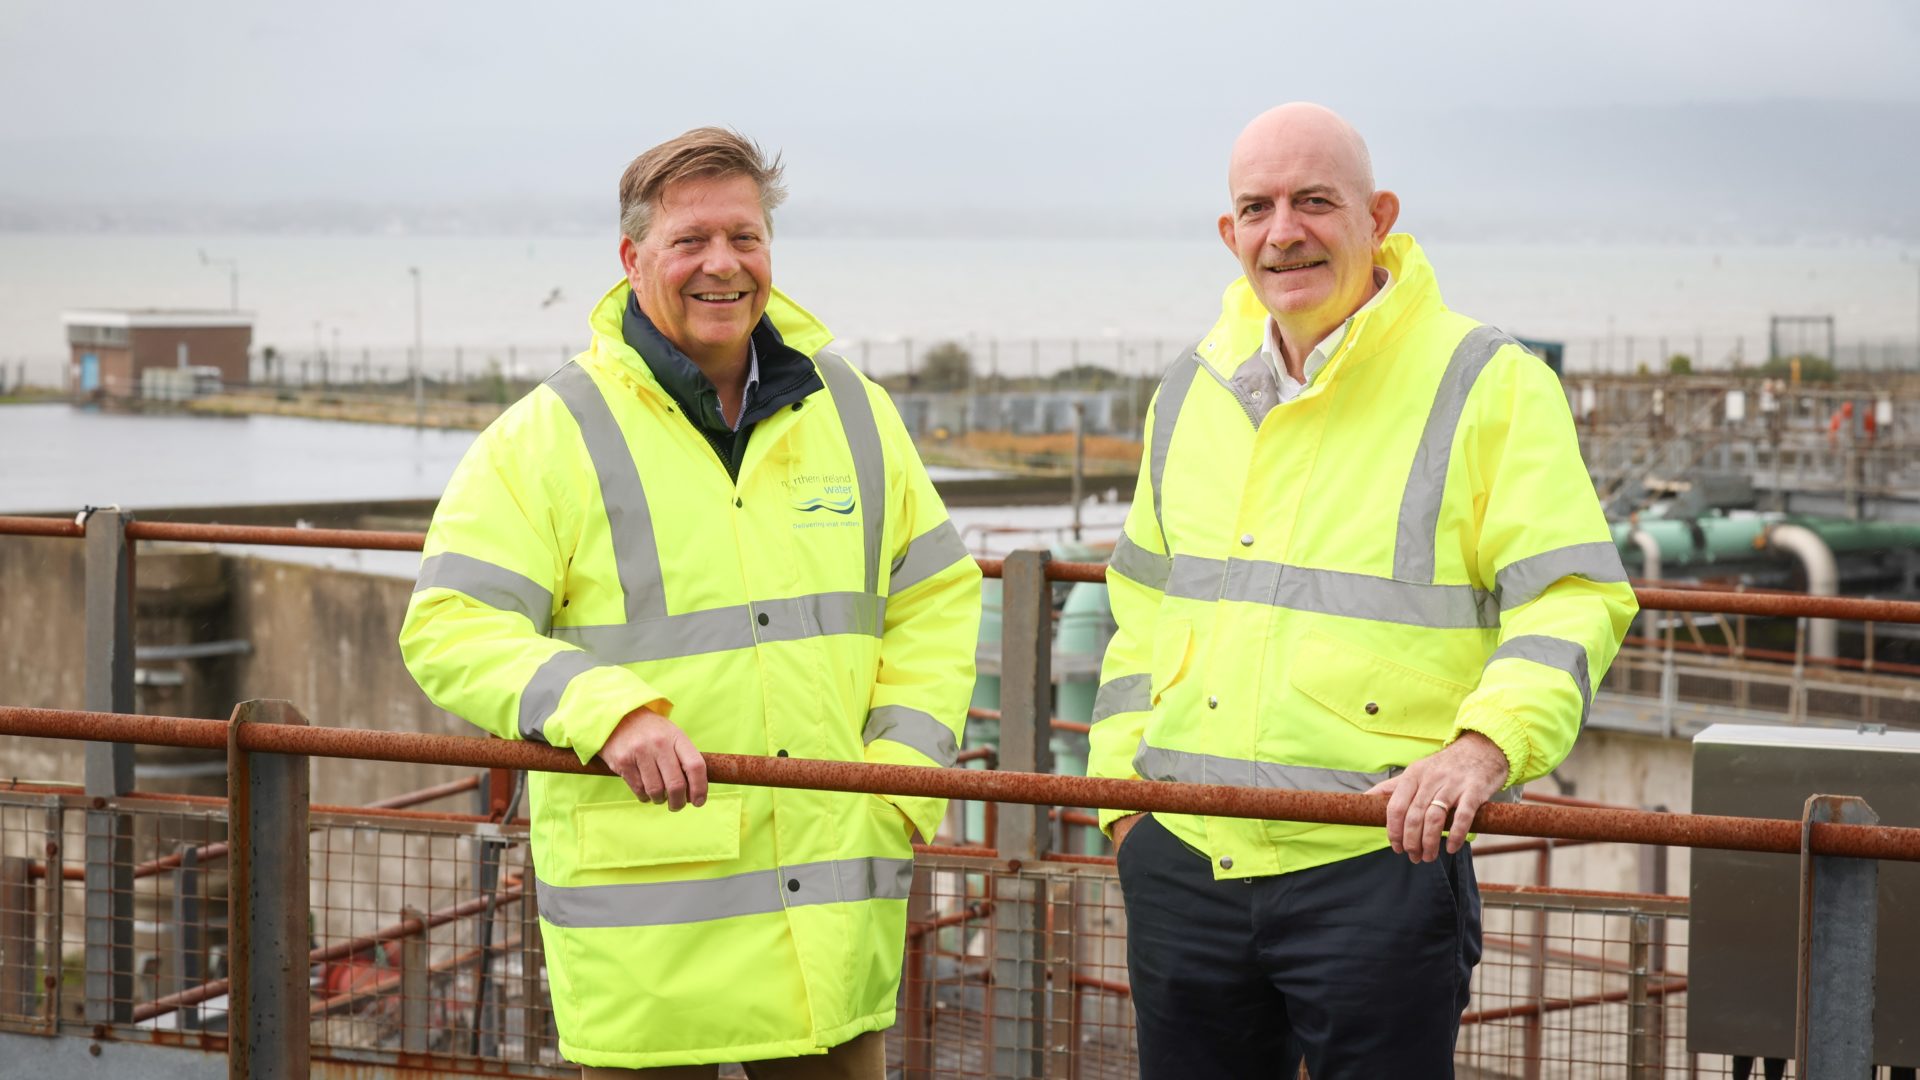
1385 208
629 256
1226 234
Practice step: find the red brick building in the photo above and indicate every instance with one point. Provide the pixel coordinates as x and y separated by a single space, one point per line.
111 349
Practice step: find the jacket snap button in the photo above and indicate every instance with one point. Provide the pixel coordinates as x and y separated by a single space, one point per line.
1372 708
796 406
793 884
1246 540
736 500
1212 702
1226 862
779 753
763 618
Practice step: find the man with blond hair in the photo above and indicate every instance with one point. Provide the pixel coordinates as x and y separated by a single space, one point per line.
1364 556
706 533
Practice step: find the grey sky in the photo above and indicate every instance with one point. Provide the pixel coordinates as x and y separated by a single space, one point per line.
1027 112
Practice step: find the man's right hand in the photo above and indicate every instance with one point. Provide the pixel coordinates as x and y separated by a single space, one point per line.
1122 827
656 759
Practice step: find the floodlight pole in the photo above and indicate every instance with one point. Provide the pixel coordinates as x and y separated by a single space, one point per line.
419 355
233 277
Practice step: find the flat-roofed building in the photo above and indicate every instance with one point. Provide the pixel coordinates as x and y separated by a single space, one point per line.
112 347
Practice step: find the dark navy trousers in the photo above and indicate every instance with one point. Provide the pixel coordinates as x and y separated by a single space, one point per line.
1360 967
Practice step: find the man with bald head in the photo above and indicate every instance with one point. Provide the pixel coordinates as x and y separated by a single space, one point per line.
1364 556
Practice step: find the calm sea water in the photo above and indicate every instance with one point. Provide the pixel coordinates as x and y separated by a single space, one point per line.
60 458
313 293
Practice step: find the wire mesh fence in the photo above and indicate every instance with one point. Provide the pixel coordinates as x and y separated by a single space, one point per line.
424 942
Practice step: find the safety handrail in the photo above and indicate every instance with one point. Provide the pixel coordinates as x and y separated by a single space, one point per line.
1765 604
1544 821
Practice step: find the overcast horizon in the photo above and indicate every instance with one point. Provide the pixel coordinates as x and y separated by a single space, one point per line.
1503 121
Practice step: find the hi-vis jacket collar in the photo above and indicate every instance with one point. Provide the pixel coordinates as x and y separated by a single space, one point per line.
799 329
1242 328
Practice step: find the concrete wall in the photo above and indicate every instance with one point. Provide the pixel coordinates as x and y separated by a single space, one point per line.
323 639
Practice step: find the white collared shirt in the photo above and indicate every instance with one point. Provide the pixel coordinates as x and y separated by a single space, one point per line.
753 383
1322 351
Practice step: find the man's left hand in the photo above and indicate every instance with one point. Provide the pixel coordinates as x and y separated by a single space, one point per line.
1457 780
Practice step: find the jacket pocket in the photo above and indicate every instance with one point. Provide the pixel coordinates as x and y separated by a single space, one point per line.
1172 654
629 832
1374 693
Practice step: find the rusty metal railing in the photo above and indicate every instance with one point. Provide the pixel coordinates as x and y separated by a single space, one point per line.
1022 819
1544 821
1015 882
1769 604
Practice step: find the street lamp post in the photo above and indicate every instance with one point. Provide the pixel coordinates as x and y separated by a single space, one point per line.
1915 260
419 356
233 277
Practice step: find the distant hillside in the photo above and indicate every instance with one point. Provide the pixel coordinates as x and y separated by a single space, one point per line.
1772 172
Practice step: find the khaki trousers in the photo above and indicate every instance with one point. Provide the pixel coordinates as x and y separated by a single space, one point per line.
862 1058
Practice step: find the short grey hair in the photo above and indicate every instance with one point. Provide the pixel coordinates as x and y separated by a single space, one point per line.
702 152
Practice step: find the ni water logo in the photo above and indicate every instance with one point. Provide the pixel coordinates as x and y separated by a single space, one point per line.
815 493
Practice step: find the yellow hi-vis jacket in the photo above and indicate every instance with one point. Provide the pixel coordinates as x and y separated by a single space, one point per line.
591 556
1313 595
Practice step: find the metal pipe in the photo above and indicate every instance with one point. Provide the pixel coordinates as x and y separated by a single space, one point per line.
1332 808
1781 605
403 928
1488 1016
40 526
426 794
1823 579
1650 570
276 537
1795 605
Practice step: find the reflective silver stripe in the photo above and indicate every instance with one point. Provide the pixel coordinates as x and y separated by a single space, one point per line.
1413 557
494 586
846 880
1136 563
1156 763
1523 581
929 553
863 438
757 892
1182 766
738 626
541 696
1128 693
636 555
1333 592
1557 653
911 727
1166 414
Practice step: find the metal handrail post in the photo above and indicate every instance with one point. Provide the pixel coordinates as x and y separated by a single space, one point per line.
268 797
1023 833
1839 942
188 944
1642 1048
109 769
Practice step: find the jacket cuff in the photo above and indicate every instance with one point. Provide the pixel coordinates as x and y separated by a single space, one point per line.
923 813
1507 733
591 724
1108 817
